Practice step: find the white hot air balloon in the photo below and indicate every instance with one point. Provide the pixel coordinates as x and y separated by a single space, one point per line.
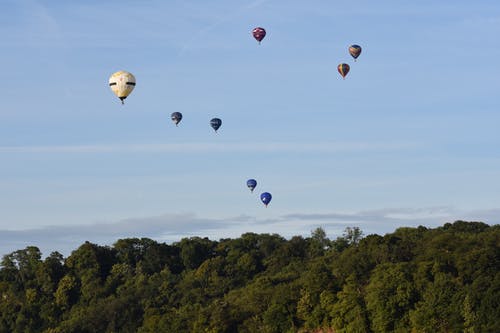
122 83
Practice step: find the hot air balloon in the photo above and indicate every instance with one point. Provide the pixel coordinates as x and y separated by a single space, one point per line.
122 83
251 183
266 198
343 69
259 34
215 123
176 117
355 51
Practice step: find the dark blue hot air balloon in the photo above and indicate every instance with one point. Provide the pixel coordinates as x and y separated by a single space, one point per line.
215 123
251 183
266 198
176 117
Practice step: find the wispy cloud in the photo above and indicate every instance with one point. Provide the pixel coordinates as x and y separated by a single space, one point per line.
173 227
214 147
168 227
386 220
399 214
39 28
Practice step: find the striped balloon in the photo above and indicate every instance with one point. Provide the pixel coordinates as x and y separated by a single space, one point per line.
343 69
355 51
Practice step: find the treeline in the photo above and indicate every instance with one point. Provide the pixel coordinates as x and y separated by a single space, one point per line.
445 279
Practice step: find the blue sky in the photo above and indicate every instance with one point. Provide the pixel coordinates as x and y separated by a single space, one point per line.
409 138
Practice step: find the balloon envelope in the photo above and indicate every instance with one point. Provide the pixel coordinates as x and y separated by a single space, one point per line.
355 51
215 123
266 198
259 34
251 183
343 69
122 83
176 117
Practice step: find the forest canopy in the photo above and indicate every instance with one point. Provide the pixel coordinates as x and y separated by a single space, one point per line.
444 279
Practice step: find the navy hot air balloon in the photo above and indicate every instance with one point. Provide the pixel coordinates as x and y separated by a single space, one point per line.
266 198
176 117
215 123
251 183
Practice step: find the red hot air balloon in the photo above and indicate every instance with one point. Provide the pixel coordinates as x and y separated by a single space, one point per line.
259 34
343 69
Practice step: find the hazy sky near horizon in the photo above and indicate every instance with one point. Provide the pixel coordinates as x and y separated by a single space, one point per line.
409 138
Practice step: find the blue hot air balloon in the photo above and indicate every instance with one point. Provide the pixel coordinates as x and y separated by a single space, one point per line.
215 123
266 198
251 183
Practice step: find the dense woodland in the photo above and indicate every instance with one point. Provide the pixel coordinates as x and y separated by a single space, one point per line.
445 279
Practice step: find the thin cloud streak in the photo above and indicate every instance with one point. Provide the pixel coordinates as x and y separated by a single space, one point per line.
386 220
205 30
326 147
399 214
173 227
41 28
167 227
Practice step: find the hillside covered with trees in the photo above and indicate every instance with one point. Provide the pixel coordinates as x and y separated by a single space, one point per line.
445 279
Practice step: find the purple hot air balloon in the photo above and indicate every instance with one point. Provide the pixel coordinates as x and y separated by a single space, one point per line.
259 34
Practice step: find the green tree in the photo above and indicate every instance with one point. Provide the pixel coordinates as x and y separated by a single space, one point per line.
90 264
353 235
440 307
390 295
349 313
318 243
195 250
67 292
